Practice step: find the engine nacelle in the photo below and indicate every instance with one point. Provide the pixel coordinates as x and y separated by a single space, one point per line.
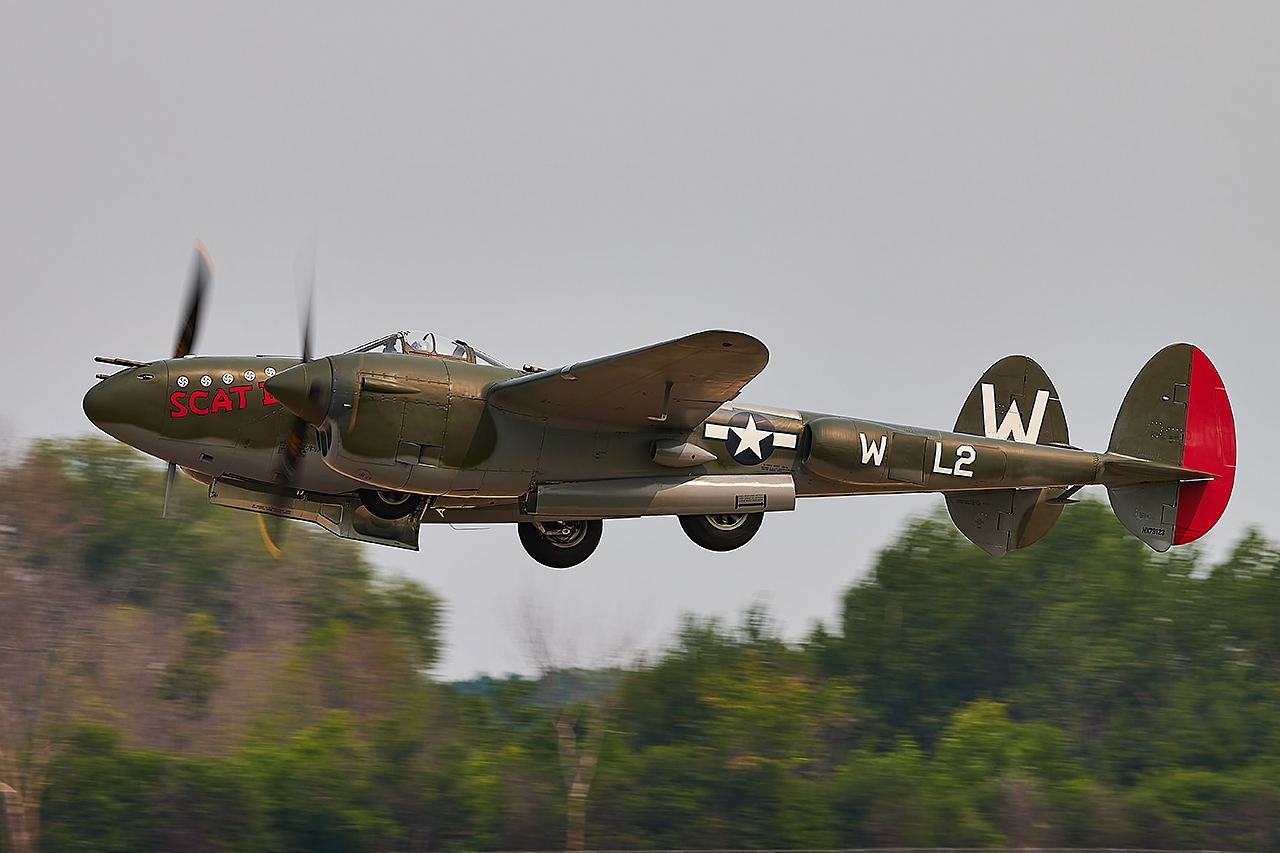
394 422
846 451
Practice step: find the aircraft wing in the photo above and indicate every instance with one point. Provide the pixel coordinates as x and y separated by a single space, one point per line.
674 384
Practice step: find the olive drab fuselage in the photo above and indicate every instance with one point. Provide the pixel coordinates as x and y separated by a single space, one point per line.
421 424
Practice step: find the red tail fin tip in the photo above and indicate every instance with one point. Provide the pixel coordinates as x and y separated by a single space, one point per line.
1210 446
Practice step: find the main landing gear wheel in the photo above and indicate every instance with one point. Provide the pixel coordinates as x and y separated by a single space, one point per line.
560 544
723 531
387 504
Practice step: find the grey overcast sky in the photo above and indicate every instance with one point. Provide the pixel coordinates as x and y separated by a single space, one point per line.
891 196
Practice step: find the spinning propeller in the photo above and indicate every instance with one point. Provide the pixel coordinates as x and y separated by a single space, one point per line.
287 471
198 282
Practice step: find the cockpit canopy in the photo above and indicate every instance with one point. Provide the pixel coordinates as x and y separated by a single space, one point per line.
415 342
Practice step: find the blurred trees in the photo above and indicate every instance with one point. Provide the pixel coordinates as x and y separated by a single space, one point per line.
158 676
167 685
47 628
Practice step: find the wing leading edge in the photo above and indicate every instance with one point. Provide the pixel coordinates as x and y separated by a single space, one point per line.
675 384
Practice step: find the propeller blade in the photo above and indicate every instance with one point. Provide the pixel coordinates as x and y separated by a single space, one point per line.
305 279
292 451
198 282
287 474
168 487
272 548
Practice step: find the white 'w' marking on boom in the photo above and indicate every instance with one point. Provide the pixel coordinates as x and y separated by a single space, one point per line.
875 451
1011 426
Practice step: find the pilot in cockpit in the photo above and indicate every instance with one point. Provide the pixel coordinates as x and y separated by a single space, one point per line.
420 346
424 343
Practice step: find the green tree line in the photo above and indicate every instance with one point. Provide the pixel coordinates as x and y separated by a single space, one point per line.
167 685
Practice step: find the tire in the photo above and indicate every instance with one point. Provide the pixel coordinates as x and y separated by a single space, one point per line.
563 544
387 504
723 531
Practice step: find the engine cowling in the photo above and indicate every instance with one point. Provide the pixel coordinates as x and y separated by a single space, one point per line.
845 451
394 422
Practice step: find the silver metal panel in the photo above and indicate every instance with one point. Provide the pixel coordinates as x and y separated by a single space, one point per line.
665 496
675 453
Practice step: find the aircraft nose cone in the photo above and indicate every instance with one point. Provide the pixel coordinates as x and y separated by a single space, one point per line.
133 397
304 389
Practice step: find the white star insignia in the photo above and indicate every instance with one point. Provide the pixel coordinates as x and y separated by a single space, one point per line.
750 436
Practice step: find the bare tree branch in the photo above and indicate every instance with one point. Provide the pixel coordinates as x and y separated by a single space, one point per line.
583 696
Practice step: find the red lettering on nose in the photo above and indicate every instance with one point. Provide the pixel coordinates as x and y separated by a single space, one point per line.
221 402
179 407
267 399
239 390
191 401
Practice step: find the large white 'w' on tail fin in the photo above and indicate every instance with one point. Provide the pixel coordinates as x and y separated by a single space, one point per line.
1014 399
1011 426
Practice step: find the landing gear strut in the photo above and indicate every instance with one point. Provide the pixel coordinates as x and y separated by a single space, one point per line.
560 544
723 531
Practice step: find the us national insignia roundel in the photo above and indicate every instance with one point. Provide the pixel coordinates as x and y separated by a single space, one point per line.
749 437
750 440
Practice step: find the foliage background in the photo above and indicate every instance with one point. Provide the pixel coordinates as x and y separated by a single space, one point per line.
168 686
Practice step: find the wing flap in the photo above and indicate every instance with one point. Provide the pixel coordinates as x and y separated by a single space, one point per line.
676 384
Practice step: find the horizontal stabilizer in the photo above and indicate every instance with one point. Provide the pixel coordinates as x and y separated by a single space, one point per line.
1141 469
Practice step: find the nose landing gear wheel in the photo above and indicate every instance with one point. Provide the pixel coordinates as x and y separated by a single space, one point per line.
387 504
560 544
722 531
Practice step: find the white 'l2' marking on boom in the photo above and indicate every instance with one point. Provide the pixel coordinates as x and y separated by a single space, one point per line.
1011 426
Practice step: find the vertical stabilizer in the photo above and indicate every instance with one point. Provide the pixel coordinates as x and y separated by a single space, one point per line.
1176 413
1016 401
